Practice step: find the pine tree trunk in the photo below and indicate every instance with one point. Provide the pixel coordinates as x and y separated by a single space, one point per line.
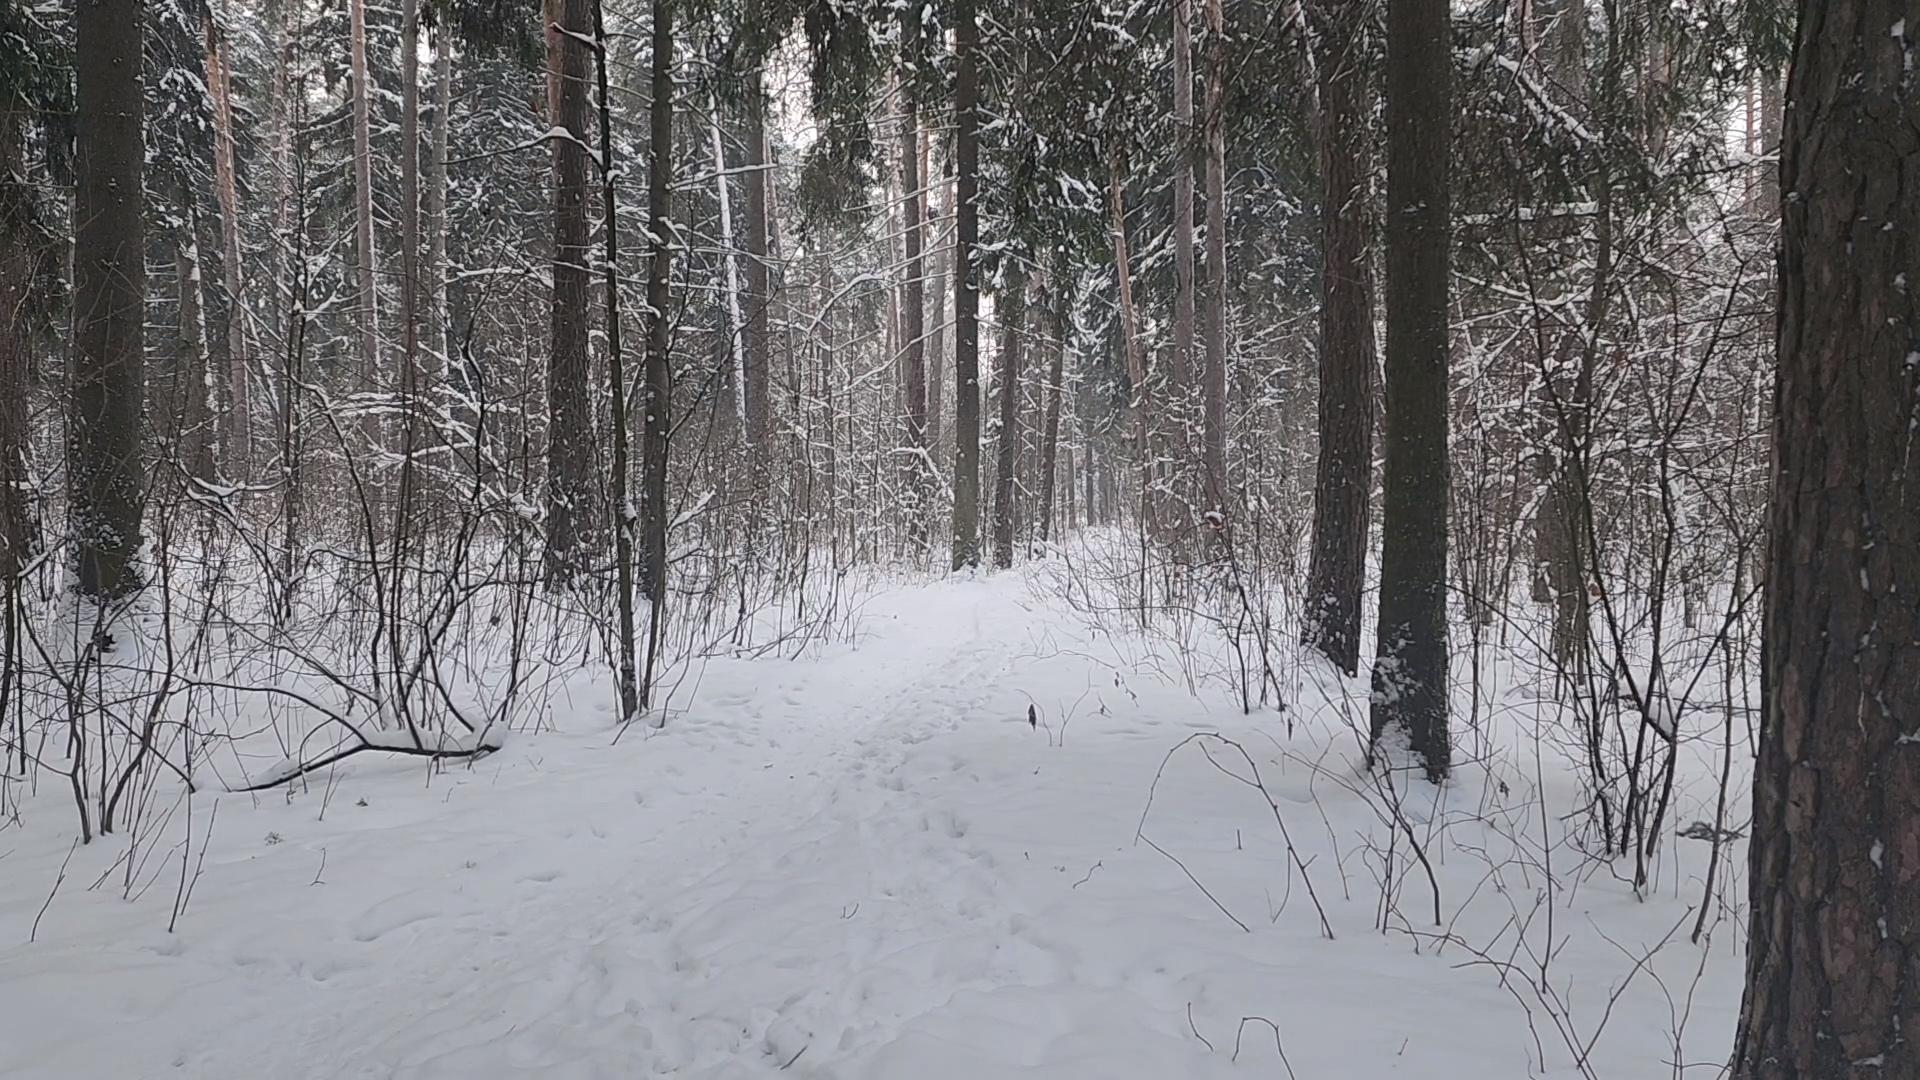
366 299
1560 521
937 292
286 27
966 293
1772 88
1213 379
19 527
439 333
1410 666
237 420
631 695
569 421
759 336
1050 440
1343 480
656 391
410 434
1130 343
191 413
1012 313
1834 874
919 479
106 473
735 382
1177 396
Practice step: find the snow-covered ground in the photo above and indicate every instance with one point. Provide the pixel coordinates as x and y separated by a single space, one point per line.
869 864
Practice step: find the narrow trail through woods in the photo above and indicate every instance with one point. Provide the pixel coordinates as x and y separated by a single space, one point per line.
861 865
733 887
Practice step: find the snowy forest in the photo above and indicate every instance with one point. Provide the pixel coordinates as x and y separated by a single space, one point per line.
963 539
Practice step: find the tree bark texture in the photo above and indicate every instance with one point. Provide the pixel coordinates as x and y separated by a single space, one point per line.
1410 665
18 521
913 320
966 292
1177 396
366 299
1833 965
106 474
236 437
1213 376
569 419
656 390
759 336
1056 377
1343 478
1012 313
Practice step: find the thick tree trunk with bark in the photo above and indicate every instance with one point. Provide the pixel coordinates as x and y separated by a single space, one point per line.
19 526
1566 389
759 336
190 412
1213 377
656 389
106 473
366 296
1012 313
237 431
1343 480
439 333
631 695
570 511
1410 666
730 406
1056 376
966 292
936 358
919 478
1136 359
1833 965
1177 396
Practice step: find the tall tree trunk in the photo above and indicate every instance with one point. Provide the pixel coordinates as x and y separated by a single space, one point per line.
736 381
966 292
285 31
1130 343
439 332
623 518
1560 27
19 527
1560 520
1213 380
759 336
1056 376
237 420
1771 102
569 419
106 474
1177 397
1834 874
1343 479
656 391
290 283
1410 666
936 357
1012 313
366 299
190 411
409 306
913 308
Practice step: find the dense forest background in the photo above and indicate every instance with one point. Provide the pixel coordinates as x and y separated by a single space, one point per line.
366 369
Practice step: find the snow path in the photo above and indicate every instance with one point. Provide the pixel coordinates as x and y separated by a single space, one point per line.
861 866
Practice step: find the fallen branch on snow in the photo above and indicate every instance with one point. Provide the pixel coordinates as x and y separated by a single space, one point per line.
446 747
